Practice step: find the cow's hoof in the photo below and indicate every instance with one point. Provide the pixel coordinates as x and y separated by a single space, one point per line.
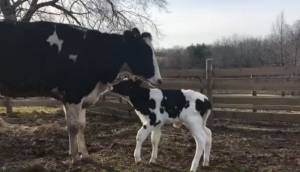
86 159
84 156
71 162
74 160
67 162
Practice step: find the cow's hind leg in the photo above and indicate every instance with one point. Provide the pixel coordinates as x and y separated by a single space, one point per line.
80 136
72 118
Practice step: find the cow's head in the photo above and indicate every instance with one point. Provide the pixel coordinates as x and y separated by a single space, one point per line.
140 55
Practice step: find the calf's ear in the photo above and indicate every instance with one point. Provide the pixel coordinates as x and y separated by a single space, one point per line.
138 82
127 35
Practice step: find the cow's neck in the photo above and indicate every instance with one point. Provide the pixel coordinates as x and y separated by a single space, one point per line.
109 64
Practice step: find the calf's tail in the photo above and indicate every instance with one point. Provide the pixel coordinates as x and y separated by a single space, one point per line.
205 116
204 108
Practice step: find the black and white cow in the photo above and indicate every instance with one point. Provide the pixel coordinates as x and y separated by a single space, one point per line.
155 107
72 64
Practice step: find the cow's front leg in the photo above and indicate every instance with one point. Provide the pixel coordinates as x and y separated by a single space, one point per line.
80 136
72 117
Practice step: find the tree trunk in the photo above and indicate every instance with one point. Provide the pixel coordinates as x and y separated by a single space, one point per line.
296 54
8 10
8 105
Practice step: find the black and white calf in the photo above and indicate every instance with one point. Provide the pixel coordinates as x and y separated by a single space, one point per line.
72 64
155 107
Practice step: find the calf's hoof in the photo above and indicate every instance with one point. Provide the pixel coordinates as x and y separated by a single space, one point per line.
205 164
152 161
193 170
138 160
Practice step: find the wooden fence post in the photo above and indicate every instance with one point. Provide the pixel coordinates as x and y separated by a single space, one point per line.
8 105
209 78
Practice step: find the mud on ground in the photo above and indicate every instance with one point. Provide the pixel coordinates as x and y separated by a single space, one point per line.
37 141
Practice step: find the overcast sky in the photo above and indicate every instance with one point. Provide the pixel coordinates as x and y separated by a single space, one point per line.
205 21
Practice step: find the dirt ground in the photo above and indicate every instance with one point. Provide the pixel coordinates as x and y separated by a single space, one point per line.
38 141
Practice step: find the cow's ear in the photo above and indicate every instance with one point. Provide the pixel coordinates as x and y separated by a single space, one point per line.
127 35
131 35
147 35
136 33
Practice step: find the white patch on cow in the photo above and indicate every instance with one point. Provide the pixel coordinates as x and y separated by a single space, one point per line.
54 40
157 96
54 90
157 75
94 95
73 57
192 95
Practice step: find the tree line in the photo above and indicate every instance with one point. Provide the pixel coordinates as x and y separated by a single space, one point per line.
281 47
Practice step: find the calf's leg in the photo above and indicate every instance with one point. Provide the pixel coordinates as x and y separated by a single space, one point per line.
140 138
207 147
155 138
194 123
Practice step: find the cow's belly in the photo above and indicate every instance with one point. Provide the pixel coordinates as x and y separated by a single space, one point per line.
99 90
23 89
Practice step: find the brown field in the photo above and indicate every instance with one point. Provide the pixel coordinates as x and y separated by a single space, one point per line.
37 141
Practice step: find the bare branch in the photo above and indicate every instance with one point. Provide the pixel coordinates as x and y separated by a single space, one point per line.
7 10
18 3
105 15
34 6
66 12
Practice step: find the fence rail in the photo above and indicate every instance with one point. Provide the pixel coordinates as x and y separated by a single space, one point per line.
235 72
237 82
245 80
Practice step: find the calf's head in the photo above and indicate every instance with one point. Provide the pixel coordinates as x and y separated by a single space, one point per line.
140 55
126 87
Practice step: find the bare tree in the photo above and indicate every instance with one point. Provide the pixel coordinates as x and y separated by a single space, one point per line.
108 15
295 41
280 29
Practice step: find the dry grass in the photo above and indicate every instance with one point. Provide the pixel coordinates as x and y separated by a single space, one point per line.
238 146
31 109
